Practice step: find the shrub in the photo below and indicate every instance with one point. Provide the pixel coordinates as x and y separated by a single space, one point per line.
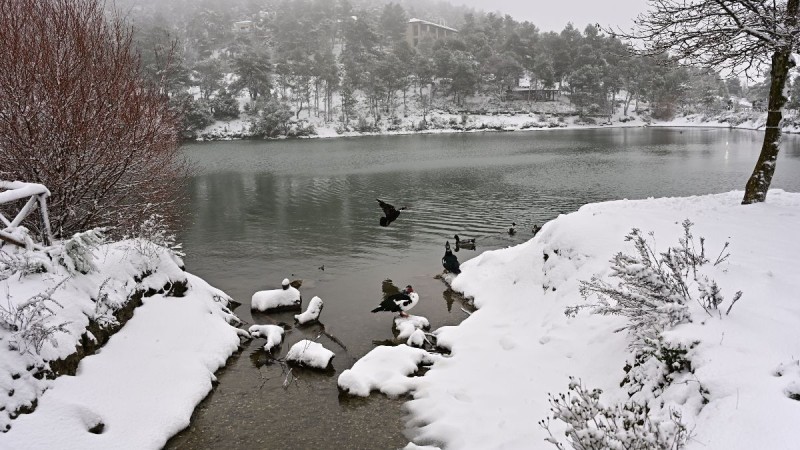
592 425
272 120
30 322
654 289
105 142
224 106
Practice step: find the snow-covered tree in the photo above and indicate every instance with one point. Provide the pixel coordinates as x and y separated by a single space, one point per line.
738 35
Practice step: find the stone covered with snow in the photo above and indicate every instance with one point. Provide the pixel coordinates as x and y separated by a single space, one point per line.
276 299
310 354
311 313
272 333
406 326
385 369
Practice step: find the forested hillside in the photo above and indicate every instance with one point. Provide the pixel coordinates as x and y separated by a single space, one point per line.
277 64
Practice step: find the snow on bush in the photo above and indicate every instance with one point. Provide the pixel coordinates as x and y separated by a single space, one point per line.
591 425
654 289
272 333
653 292
76 252
33 322
385 369
310 354
311 313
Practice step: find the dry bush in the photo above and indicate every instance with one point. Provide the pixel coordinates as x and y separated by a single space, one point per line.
76 117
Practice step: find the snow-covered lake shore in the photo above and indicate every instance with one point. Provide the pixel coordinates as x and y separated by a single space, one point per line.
442 122
744 384
138 389
740 390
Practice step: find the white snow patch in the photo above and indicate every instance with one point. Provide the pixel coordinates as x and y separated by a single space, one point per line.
275 298
272 333
311 354
311 313
407 325
385 369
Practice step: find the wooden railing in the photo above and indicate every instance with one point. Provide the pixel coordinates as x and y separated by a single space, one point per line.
12 191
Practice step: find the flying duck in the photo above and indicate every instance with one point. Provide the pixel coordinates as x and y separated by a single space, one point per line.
400 302
468 244
449 260
390 213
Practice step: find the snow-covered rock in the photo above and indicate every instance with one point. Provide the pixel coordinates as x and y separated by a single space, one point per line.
417 338
407 325
310 354
311 313
272 333
275 299
385 369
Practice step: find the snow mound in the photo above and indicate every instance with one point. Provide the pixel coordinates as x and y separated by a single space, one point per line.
417 339
265 301
385 369
272 333
406 326
311 313
311 354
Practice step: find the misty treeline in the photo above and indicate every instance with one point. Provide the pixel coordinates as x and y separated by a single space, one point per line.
347 61
76 116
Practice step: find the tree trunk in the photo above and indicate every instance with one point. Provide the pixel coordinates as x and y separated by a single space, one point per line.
758 184
782 62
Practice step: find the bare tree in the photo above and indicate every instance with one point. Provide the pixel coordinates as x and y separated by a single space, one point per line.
736 35
76 117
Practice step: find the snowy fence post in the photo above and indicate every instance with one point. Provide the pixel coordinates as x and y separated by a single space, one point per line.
18 190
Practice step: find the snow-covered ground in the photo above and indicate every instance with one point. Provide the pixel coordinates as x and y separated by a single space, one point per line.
137 390
745 119
744 388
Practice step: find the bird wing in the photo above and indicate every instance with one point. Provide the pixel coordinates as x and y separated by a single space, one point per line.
390 304
388 209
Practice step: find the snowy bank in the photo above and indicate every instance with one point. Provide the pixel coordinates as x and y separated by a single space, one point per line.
165 332
742 119
741 391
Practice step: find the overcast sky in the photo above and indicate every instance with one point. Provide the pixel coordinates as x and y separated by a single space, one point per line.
553 15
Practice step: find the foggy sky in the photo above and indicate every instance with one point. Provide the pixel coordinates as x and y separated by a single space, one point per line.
553 15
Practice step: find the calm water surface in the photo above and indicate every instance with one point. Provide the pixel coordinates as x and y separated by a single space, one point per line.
261 211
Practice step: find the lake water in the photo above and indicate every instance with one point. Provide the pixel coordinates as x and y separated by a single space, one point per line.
262 211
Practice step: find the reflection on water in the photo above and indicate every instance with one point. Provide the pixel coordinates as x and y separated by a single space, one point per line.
261 211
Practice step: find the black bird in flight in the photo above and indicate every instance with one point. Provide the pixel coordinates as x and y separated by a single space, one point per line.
390 213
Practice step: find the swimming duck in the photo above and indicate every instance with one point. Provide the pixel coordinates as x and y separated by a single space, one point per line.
512 231
400 302
468 244
449 260
390 213
536 229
